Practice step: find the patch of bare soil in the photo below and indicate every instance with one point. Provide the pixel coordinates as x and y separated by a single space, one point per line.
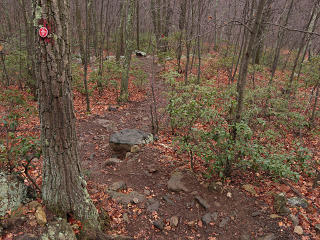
143 207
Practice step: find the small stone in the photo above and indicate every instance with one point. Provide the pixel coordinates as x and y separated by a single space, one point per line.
294 219
280 204
191 223
249 188
229 195
298 230
194 193
112 162
118 186
317 227
167 199
175 183
206 219
135 149
202 202
154 205
41 216
135 200
152 169
217 204
174 221
146 192
256 214
224 222
214 216
128 154
269 236
159 224
273 216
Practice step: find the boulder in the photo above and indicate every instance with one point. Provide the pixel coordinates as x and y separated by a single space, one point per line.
280 204
13 192
122 141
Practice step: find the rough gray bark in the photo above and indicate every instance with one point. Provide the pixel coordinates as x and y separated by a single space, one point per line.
63 185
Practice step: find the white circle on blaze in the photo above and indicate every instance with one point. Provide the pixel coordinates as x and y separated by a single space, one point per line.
43 32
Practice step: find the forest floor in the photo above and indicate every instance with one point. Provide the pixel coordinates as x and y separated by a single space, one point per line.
144 207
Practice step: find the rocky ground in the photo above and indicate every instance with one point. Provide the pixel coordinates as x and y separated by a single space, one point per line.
150 192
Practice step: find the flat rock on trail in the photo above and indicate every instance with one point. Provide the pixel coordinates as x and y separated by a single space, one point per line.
193 213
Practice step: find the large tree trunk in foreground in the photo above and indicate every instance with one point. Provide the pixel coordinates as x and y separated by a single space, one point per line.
63 185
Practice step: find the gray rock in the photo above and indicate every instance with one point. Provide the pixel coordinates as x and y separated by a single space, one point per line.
59 230
13 192
118 186
214 216
224 222
317 227
269 236
280 204
112 162
153 205
202 202
174 221
125 199
123 140
175 183
206 219
296 201
167 199
159 224
107 124
146 192
294 219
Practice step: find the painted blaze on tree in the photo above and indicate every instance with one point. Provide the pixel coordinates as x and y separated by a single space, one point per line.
63 185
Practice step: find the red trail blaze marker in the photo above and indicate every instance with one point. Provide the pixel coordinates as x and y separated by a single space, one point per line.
43 32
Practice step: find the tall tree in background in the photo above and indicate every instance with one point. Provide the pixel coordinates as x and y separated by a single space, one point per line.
63 185
124 95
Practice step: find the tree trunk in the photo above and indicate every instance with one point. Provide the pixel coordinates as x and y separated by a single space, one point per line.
124 96
119 50
138 24
80 31
63 185
86 60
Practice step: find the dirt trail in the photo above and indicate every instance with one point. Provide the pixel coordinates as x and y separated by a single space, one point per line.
197 213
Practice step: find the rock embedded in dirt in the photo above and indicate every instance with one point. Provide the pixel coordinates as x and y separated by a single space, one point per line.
202 202
296 201
167 199
112 162
174 221
224 222
280 204
153 205
107 124
298 230
135 149
13 192
122 141
159 224
317 227
249 188
175 183
118 186
269 236
125 199
294 219
206 219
